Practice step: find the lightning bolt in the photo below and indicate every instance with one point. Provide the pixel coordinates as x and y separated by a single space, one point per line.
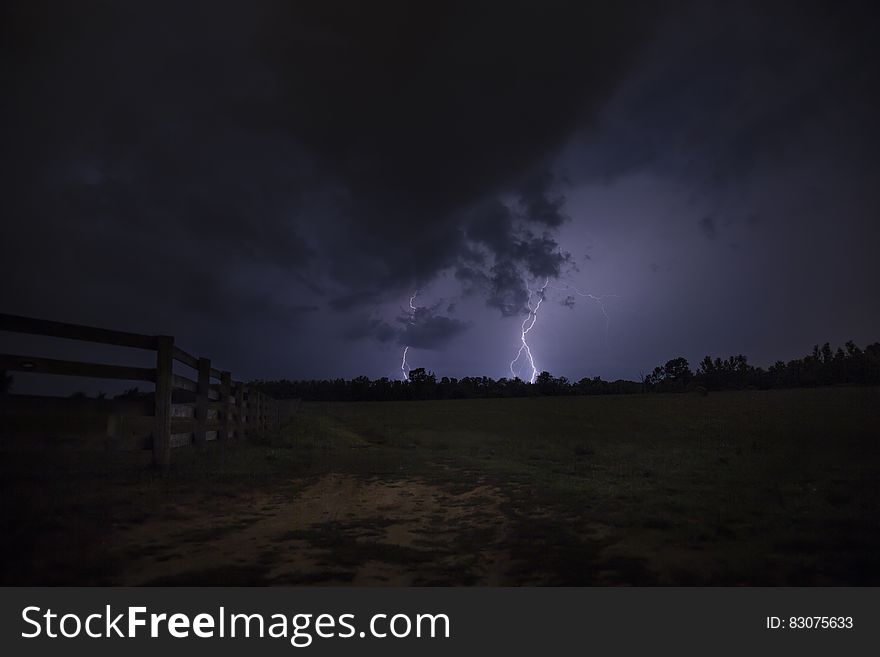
600 301
527 325
404 367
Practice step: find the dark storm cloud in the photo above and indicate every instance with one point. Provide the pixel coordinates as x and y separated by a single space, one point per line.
507 289
541 255
538 202
742 110
707 225
727 88
236 165
452 108
130 167
505 284
471 280
341 143
371 327
503 237
427 330
422 329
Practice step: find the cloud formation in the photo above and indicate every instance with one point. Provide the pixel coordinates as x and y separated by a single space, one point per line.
424 328
346 144
297 169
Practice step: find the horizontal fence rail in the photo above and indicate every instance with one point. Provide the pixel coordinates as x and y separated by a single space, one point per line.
184 411
74 368
18 324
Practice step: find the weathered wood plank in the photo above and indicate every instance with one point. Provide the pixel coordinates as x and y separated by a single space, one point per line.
183 383
185 358
180 439
164 387
220 411
32 326
203 393
239 412
226 409
74 368
187 410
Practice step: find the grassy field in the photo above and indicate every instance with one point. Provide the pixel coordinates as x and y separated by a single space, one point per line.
738 488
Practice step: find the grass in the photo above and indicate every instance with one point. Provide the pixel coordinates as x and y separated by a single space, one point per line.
776 487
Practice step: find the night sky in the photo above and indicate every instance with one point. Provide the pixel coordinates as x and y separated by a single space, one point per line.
270 182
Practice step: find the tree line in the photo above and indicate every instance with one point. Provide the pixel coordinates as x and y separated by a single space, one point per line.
824 366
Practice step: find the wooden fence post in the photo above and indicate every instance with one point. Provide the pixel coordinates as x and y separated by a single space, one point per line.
239 406
246 409
203 401
225 393
162 412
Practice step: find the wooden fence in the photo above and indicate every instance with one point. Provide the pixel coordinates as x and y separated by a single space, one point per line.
209 406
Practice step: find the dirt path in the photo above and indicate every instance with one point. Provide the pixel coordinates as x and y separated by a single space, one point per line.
337 530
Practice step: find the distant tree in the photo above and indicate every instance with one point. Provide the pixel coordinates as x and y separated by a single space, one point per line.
129 393
707 374
872 364
674 376
421 376
825 365
677 373
359 388
545 383
423 383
